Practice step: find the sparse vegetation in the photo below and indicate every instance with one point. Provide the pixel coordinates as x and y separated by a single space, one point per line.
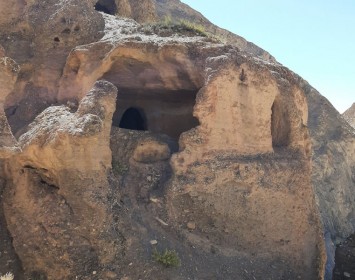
168 258
168 26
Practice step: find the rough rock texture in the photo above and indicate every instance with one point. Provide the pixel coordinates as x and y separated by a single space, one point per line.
222 163
180 11
56 202
333 141
333 170
206 149
8 147
39 37
349 115
8 76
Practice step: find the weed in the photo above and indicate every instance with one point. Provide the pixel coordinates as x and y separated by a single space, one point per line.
168 258
167 27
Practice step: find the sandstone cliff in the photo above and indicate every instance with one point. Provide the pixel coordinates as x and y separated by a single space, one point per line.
131 140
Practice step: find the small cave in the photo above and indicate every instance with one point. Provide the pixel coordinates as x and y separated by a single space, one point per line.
150 100
280 125
132 118
106 6
159 111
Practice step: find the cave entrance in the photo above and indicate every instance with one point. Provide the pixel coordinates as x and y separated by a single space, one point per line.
163 95
106 6
280 125
161 111
132 118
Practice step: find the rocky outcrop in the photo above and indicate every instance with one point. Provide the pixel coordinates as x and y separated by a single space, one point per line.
333 175
177 10
205 149
349 115
56 198
39 36
25 37
234 157
158 79
333 159
9 70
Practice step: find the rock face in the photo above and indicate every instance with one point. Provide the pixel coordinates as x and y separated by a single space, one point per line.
8 75
39 36
349 115
127 135
333 162
56 201
333 165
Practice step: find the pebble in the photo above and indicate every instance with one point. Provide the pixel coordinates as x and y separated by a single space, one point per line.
347 274
94 272
153 199
191 225
153 242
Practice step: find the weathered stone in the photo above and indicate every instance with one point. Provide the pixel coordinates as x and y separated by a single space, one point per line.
199 131
65 157
151 151
191 225
349 115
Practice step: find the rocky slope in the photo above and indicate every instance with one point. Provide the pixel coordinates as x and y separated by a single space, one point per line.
349 115
131 139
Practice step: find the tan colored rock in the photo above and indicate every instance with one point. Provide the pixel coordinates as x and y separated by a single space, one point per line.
151 151
39 40
56 201
249 137
9 70
191 225
241 170
10 11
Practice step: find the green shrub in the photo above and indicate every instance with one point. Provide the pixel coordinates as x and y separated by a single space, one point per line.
169 258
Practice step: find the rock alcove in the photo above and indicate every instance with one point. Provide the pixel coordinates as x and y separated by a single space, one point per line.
150 101
280 125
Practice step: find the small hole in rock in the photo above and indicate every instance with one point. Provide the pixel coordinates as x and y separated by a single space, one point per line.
56 39
66 31
280 125
106 6
133 118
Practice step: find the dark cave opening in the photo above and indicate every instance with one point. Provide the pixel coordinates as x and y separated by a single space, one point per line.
163 95
132 118
106 6
280 125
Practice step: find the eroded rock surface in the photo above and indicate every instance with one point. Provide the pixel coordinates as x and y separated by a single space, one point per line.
205 149
56 202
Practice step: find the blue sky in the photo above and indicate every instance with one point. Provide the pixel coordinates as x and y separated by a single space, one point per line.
314 38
